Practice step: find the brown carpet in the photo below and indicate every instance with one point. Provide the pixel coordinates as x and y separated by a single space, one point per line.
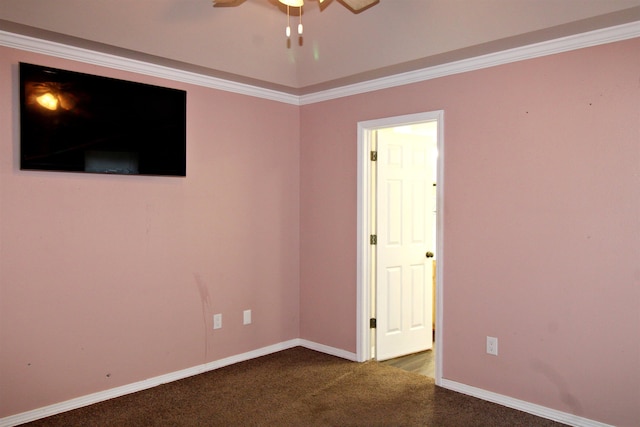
297 387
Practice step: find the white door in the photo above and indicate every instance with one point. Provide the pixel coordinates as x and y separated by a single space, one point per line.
405 220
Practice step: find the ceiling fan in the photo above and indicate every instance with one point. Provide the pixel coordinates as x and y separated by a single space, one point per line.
356 6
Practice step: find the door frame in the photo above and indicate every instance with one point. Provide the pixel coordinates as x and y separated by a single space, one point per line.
366 131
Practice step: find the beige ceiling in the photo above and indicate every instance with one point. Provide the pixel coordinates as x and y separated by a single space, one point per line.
247 43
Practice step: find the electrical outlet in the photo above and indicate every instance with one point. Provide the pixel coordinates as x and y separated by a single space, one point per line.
246 317
217 321
492 345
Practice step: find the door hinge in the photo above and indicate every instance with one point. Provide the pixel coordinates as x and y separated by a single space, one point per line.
374 156
372 323
373 239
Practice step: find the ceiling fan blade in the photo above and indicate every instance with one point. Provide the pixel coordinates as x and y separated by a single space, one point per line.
224 3
359 5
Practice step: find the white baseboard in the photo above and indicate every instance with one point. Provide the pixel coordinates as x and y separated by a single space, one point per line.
101 396
328 350
521 405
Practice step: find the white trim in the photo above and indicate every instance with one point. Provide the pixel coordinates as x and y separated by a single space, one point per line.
363 259
101 396
363 262
521 405
60 50
328 350
564 44
440 200
90 399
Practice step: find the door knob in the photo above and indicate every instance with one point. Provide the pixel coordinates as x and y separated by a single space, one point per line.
429 254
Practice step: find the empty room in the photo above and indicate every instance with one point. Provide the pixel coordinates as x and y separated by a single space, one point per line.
190 187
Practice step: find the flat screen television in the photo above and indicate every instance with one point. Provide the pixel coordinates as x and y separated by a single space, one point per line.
76 122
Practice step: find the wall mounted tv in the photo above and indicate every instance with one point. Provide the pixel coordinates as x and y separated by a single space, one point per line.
76 122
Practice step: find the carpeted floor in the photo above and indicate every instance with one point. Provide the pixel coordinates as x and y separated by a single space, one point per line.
297 387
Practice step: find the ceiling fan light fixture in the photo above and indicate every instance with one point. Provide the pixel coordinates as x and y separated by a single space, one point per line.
355 5
293 3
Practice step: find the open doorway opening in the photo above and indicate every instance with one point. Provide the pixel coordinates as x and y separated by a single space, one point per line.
400 195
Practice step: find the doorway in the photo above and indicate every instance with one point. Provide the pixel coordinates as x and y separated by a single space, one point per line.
418 139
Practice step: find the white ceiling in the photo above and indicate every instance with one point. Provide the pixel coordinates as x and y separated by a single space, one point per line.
247 43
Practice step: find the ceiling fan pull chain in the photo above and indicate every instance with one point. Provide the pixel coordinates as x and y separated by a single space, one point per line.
288 31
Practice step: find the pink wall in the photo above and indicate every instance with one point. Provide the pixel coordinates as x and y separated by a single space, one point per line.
109 280
541 225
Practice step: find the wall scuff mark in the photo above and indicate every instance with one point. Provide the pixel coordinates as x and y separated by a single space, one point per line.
205 301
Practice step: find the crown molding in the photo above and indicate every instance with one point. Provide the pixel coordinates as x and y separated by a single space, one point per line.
59 50
564 44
